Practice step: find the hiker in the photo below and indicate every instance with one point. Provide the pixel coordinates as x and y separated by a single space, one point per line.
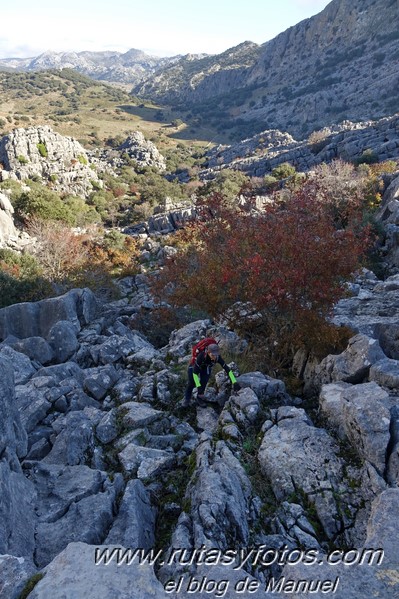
205 356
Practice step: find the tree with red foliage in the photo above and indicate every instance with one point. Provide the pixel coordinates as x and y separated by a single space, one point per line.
288 264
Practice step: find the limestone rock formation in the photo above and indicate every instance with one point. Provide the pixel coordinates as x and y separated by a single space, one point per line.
258 155
7 227
98 459
143 151
41 152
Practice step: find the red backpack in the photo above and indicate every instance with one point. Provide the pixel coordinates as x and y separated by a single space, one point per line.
200 346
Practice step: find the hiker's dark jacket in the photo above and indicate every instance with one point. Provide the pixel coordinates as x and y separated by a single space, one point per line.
202 370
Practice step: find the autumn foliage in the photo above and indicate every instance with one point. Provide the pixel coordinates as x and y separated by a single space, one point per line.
68 259
277 273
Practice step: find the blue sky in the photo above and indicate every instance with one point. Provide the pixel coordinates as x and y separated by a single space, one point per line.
159 27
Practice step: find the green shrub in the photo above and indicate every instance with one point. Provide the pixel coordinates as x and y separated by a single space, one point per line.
21 279
82 159
283 171
22 159
368 157
269 181
42 149
44 203
114 240
227 182
81 213
15 188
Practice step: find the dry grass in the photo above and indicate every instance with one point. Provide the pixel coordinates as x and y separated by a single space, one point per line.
96 111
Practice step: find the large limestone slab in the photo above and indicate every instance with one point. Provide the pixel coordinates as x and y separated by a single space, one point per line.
134 525
12 432
299 458
74 574
35 319
361 413
371 571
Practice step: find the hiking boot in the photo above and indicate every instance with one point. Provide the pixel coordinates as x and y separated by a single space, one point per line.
201 402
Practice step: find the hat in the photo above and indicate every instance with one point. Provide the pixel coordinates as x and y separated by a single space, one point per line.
214 349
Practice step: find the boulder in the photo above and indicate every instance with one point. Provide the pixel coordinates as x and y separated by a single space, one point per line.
361 413
62 372
136 415
353 364
182 340
14 572
298 458
32 403
82 569
388 336
146 462
98 382
17 515
36 348
386 373
219 496
106 430
74 444
35 319
134 525
63 341
265 387
12 432
73 503
23 368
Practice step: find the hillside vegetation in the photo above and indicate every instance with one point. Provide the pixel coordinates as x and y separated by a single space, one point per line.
90 111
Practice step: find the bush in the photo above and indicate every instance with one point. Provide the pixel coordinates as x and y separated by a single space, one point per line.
42 150
46 204
22 159
270 182
368 157
228 183
283 171
275 275
21 279
81 213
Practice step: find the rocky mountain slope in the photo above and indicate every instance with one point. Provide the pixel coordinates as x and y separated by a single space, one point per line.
341 63
99 466
258 155
129 67
95 456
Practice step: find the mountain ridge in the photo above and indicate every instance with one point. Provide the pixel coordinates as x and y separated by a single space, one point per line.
341 64
123 67
323 70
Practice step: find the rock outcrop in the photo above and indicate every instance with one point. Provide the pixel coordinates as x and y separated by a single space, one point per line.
258 155
41 152
7 227
99 464
143 151
322 70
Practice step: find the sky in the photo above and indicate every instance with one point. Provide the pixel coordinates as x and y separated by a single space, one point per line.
159 27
